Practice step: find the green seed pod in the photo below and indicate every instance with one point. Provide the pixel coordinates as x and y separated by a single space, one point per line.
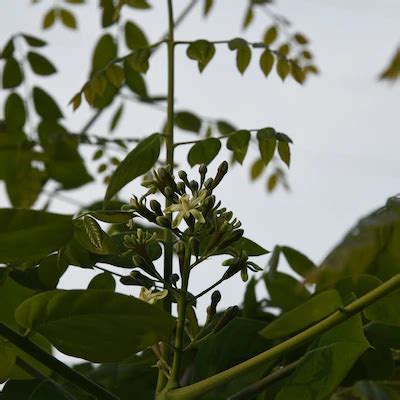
156 207
228 316
164 222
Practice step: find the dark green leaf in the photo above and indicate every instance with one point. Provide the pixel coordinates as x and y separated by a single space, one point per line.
40 65
202 51
134 36
304 315
387 335
97 325
208 4
140 4
267 60
237 342
385 310
237 43
283 68
104 281
45 105
112 217
238 142
225 128
284 152
298 261
8 49
12 74
327 362
34 41
370 390
284 291
93 231
116 118
104 52
267 143
243 58
204 151
187 121
139 60
50 270
14 112
134 80
29 234
252 248
136 163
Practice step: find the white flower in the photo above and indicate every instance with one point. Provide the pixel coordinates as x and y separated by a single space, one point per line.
187 206
152 297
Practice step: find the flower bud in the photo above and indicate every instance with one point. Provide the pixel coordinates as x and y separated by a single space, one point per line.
174 278
181 187
222 170
164 222
168 192
194 246
216 297
183 176
208 184
137 279
244 275
203 169
194 186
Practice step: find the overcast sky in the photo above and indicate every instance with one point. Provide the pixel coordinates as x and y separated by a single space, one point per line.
344 123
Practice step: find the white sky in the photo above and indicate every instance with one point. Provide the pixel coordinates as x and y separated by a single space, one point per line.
344 123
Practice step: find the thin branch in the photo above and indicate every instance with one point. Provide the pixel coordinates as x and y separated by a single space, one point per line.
208 289
107 270
263 383
55 365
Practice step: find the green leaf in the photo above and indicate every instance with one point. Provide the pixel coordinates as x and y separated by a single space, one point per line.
104 281
12 74
284 152
140 160
204 151
237 342
68 19
115 75
187 121
300 38
283 68
304 315
134 80
385 310
243 58
370 390
238 142
40 65
270 35
45 105
50 270
104 52
139 60
8 49
387 335
267 60
34 390
34 41
134 36
14 112
116 117
112 217
208 4
285 291
49 19
202 51
7 357
93 231
299 263
266 143
28 234
140 4
97 325
256 169
327 362
252 248
225 128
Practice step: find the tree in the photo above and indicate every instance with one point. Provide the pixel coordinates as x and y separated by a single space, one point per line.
337 327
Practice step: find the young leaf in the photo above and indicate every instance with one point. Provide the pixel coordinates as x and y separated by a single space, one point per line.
137 162
68 19
256 169
300 38
204 151
134 36
116 118
97 325
266 143
238 142
284 152
12 74
187 121
28 234
267 60
93 230
103 281
14 112
40 65
304 315
283 68
270 35
45 105
49 19
202 51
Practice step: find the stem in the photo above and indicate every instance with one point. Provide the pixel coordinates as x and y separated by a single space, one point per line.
209 288
200 388
55 365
